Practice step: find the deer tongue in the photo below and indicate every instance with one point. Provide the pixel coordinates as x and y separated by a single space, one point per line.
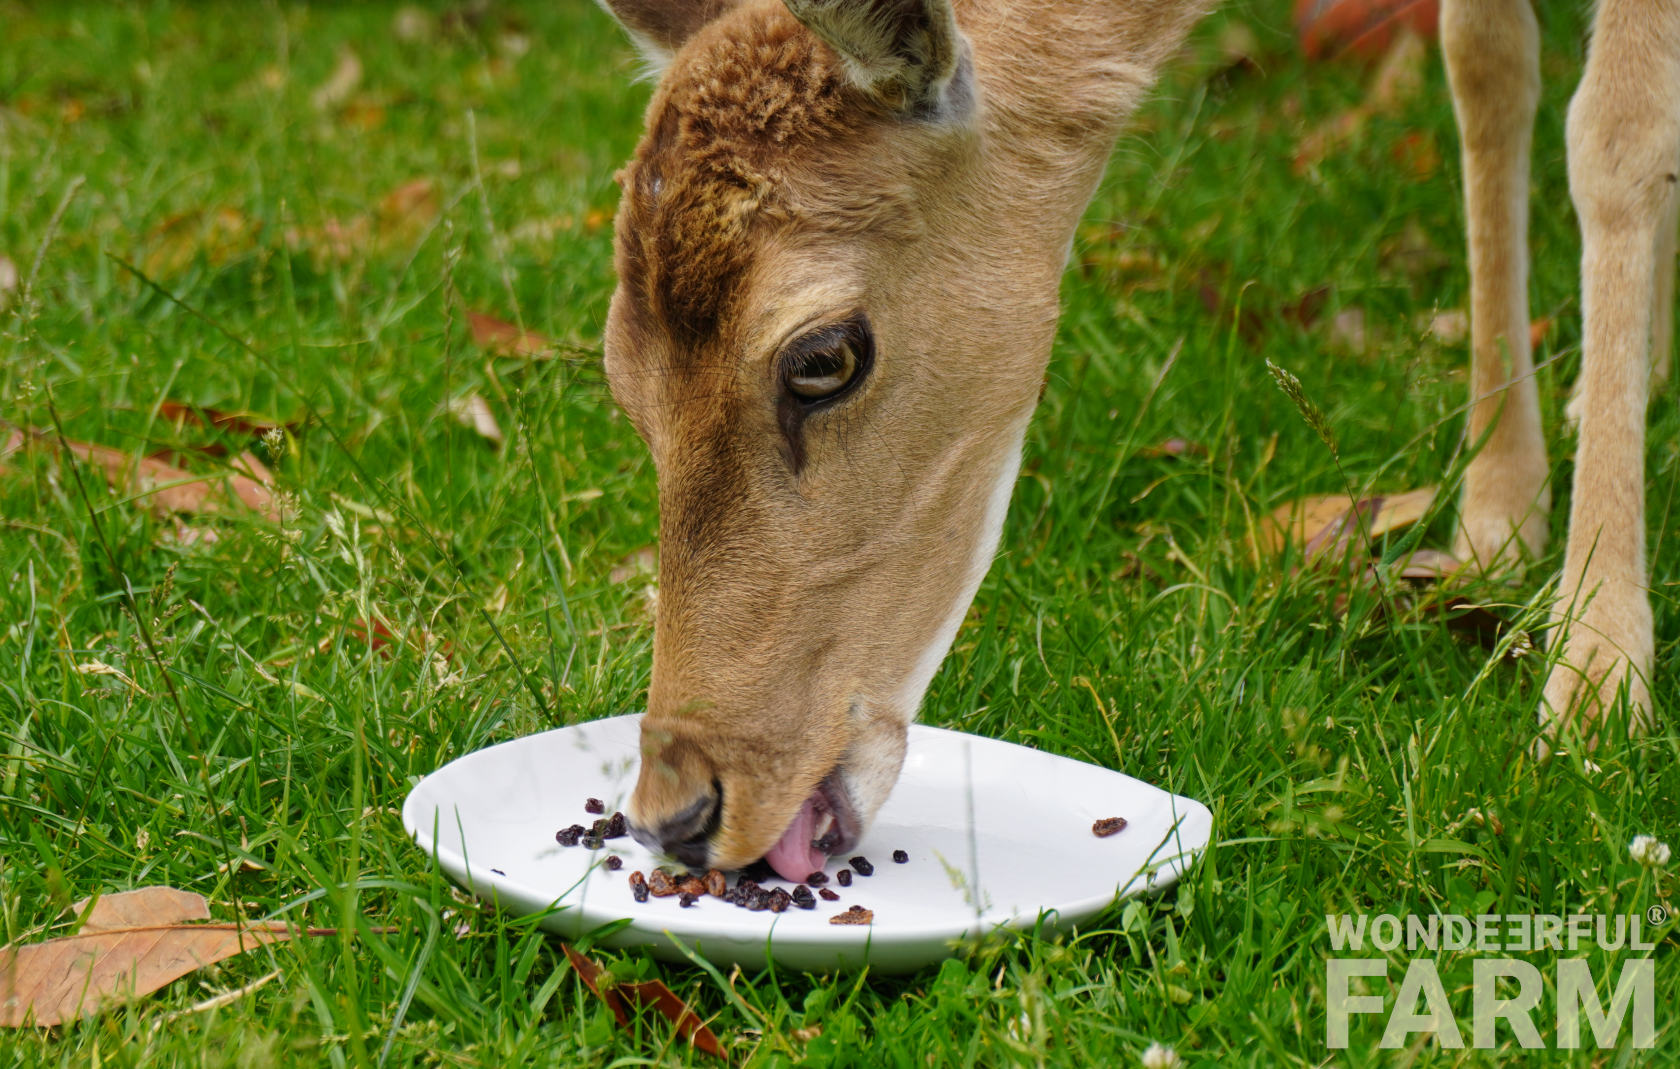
793 857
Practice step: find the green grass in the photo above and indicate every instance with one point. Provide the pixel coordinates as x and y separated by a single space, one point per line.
257 746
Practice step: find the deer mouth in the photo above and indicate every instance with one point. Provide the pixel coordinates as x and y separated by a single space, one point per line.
825 824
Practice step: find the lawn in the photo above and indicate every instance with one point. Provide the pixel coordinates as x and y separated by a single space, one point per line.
341 217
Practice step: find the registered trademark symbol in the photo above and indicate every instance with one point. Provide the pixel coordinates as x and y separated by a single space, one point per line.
1656 915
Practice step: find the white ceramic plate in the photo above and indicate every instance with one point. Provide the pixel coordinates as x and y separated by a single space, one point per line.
972 813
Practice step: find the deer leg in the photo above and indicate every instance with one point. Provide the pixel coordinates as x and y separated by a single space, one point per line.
1623 137
1662 304
1492 52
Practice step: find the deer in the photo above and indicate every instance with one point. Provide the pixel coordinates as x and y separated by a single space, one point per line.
838 250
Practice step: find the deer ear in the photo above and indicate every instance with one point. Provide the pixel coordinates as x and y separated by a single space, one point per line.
660 27
907 53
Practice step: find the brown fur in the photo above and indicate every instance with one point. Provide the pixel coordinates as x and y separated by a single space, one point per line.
812 570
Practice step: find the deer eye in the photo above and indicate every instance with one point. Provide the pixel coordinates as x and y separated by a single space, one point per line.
824 364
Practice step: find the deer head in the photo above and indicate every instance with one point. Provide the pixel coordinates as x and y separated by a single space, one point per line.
838 251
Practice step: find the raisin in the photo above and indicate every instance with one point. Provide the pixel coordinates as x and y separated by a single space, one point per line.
803 898
864 868
758 901
594 805
780 900
614 862
843 877
854 915
660 885
827 895
817 878
638 886
692 885
900 857
758 871
569 836
590 842
616 827
1107 826
687 900
716 885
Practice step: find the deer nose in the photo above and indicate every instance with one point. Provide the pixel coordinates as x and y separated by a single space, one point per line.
687 834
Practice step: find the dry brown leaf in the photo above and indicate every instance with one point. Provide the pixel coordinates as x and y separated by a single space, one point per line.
638 562
142 906
1450 327
247 423
1347 330
1173 447
499 336
1330 524
342 82
622 997
1416 154
131 944
1327 138
473 411
167 488
1400 76
218 234
413 204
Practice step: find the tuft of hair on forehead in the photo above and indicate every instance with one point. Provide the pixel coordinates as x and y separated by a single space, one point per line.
737 115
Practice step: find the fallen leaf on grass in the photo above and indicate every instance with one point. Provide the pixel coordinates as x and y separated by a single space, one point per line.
1173 447
218 234
1328 531
1398 80
245 423
1330 525
171 489
414 204
130 944
622 997
638 562
473 411
166 487
1451 327
345 77
503 338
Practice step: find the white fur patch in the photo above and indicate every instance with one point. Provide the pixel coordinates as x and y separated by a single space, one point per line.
907 702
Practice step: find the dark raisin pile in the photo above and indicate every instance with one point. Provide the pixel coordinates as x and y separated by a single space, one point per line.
900 856
591 838
1107 826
